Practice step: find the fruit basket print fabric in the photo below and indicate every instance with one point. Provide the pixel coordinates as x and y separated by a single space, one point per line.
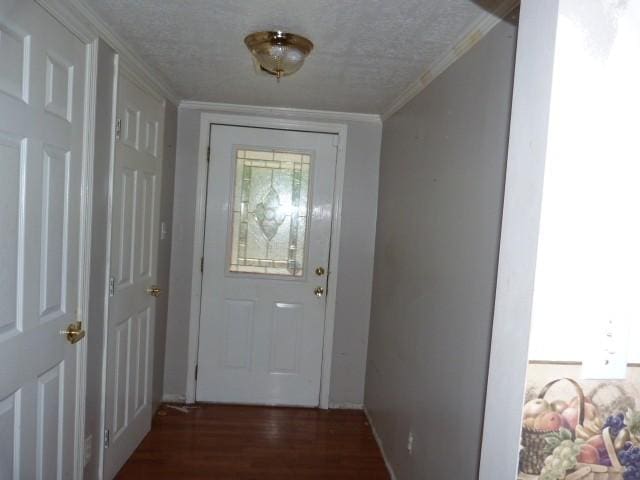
579 430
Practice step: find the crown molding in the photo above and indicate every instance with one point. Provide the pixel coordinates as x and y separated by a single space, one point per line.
280 112
470 37
86 24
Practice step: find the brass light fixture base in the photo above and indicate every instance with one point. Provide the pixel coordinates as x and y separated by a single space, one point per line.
278 53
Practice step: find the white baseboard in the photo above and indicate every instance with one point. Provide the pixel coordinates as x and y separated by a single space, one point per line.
173 398
379 442
345 406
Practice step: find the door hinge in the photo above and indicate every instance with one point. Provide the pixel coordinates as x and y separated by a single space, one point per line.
208 154
196 372
118 128
112 286
107 437
201 264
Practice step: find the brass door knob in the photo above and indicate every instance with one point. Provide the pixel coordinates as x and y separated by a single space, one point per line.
74 332
154 291
319 292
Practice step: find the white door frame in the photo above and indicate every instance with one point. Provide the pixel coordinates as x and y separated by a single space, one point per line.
519 239
206 119
86 207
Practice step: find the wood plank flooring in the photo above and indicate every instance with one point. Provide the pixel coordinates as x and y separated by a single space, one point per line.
219 442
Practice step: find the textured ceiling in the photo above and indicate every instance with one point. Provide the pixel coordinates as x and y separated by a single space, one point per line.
366 51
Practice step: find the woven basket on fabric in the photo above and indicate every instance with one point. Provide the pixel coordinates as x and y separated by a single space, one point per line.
599 472
533 453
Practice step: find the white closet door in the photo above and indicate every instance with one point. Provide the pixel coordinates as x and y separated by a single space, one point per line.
42 77
134 247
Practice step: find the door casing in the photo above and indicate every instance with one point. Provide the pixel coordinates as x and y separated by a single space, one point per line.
206 120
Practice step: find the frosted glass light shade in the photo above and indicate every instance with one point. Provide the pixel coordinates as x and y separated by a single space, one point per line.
279 53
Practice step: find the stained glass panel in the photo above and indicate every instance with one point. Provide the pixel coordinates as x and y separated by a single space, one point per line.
270 212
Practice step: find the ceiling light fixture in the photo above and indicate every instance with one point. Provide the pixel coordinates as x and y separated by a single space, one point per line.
278 53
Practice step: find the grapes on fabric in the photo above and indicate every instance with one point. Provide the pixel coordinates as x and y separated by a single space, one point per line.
630 459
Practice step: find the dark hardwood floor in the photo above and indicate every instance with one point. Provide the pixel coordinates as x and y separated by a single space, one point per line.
219 442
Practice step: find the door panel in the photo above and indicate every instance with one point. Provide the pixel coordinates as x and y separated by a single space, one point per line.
13 165
286 329
50 423
269 212
134 236
42 105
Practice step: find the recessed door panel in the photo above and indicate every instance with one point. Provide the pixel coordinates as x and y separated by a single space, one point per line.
131 127
124 227
49 446
121 387
10 437
141 367
12 163
14 57
236 348
58 86
146 215
55 220
288 321
151 138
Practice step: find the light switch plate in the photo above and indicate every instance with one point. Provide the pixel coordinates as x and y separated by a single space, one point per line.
608 356
164 231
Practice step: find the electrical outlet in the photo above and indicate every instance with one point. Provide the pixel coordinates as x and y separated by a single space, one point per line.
410 443
88 442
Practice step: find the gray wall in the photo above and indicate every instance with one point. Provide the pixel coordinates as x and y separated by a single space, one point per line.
164 250
97 281
356 259
97 286
440 201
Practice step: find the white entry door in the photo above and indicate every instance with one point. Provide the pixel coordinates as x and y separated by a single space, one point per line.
134 242
267 239
42 101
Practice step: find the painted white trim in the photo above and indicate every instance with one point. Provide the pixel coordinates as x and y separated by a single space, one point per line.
470 37
107 299
206 119
173 398
346 406
379 442
130 71
322 115
519 239
84 263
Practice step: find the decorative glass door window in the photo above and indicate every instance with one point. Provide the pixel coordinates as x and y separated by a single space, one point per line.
270 212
